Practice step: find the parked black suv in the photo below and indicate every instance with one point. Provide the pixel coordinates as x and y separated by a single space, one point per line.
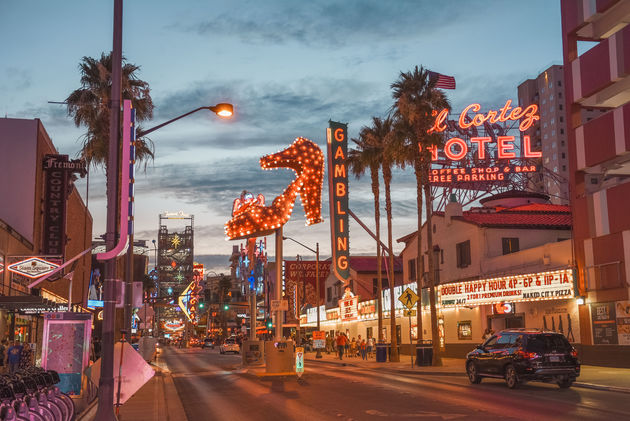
521 355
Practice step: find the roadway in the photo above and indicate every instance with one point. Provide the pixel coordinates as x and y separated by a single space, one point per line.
214 387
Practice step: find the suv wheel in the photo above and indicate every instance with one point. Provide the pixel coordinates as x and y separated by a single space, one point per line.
473 375
565 383
511 378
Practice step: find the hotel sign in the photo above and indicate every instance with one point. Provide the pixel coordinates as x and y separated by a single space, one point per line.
337 136
554 285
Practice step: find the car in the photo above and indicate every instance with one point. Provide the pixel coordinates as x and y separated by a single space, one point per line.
229 345
208 343
522 355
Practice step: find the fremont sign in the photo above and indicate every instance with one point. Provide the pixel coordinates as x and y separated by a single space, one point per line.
33 267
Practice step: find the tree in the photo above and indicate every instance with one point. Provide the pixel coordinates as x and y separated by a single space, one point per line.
416 101
380 133
367 156
89 106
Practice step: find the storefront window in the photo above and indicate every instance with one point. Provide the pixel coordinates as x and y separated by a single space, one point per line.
464 330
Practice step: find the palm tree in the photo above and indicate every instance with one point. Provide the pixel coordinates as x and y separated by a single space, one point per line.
89 106
381 134
415 100
367 156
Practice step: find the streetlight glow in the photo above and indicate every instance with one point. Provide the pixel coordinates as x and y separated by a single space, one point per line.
224 110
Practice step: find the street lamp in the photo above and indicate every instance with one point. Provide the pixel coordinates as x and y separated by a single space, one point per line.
316 251
223 110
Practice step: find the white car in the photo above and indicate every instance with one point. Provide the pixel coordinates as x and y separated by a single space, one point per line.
230 345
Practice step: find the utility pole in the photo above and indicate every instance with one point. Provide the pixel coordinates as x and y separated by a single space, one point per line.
105 411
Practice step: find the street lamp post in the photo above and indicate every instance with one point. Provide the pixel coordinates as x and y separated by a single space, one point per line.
316 251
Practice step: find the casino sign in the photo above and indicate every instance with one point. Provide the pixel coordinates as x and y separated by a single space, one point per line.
553 285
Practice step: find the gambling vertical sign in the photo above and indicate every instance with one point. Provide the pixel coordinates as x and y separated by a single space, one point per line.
337 136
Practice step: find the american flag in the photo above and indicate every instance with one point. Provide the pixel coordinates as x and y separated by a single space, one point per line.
443 81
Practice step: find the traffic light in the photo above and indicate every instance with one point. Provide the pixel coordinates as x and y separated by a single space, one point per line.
169 290
226 307
201 304
269 323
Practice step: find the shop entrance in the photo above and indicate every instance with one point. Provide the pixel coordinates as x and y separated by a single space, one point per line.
499 322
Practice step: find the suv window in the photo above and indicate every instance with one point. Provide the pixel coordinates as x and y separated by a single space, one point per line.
505 340
229 341
490 343
543 344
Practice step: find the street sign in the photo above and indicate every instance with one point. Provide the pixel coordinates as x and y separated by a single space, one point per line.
299 360
279 305
33 267
410 313
319 339
408 298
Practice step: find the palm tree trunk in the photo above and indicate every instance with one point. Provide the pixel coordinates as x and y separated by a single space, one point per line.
435 336
419 256
387 176
379 276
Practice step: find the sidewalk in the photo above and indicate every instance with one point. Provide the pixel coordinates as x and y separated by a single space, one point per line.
591 377
156 400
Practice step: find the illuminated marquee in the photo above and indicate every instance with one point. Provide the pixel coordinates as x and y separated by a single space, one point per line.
189 298
337 137
553 285
476 149
252 218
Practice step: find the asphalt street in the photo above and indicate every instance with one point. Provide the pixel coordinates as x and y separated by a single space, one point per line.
214 387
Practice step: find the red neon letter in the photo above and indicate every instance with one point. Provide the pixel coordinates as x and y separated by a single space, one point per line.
529 117
505 144
432 149
462 116
527 149
455 156
339 137
506 107
481 145
438 125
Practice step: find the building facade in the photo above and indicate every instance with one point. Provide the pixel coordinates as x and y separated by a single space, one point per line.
599 162
24 211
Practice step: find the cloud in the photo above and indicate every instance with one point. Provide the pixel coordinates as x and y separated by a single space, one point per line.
330 23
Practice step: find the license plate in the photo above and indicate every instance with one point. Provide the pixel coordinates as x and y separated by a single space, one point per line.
554 358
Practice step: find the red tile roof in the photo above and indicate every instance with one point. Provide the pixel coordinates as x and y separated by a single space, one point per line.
369 264
533 215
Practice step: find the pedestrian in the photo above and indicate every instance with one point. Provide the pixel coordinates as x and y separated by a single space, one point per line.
13 359
341 344
328 343
353 347
26 359
3 352
363 348
346 344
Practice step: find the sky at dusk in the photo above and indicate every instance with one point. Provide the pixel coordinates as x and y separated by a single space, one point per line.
288 66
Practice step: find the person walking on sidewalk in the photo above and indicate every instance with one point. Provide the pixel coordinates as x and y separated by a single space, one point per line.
15 352
370 346
329 343
353 348
341 344
363 349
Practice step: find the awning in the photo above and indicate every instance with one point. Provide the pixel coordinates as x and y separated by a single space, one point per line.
30 304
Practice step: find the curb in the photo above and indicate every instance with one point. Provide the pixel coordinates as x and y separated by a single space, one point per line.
602 387
88 411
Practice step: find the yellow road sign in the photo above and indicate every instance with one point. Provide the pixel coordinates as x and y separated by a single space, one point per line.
409 313
408 298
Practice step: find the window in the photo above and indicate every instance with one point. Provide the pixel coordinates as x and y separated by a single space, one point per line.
462 250
561 130
504 341
510 245
491 342
441 256
564 168
559 94
564 155
560 107
561 119
464 330
562 143
328 293
559 83
412 269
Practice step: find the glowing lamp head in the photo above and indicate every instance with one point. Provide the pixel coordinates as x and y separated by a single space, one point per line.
223 110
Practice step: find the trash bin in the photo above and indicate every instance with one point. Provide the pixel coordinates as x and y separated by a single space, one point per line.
424 354
381 353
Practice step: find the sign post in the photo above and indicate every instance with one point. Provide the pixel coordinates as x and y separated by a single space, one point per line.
299 361
409 299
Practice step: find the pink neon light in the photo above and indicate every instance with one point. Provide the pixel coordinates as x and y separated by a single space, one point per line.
124 188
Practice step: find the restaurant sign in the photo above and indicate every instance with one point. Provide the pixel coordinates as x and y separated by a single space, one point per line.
552 285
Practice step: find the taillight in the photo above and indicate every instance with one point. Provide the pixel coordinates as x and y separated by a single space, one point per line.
574 353
527 355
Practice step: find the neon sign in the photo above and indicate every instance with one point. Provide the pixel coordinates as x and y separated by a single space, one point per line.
337 137
251 218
